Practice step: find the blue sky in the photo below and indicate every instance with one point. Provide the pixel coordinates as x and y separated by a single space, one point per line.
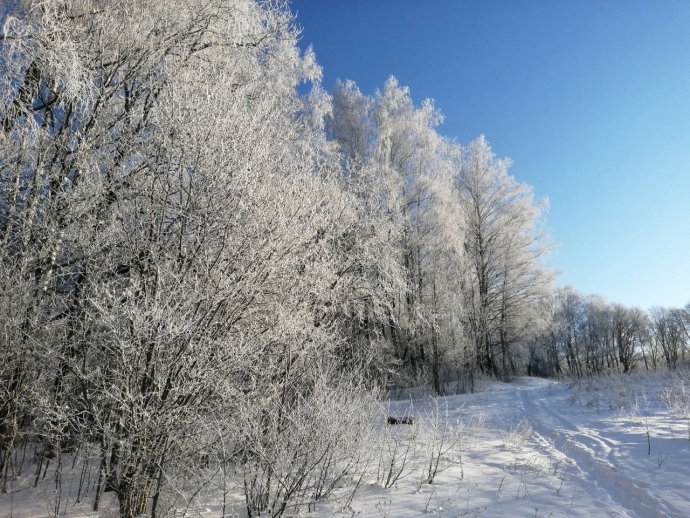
590 99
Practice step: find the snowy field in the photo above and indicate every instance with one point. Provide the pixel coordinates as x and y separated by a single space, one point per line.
616 446
551 450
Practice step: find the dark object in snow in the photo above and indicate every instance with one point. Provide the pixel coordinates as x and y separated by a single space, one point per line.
399 420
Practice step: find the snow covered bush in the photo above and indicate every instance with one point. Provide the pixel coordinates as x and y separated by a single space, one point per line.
677 399
314 447
611 390
442 438
398 452
517 436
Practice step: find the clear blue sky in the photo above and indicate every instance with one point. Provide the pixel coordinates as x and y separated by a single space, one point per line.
590 98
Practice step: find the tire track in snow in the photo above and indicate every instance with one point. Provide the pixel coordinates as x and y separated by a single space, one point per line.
628 494
606 446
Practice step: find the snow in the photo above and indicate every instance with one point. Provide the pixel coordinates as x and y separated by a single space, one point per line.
531 447
578 461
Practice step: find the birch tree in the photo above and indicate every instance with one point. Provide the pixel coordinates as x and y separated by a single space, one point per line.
505 244
394 159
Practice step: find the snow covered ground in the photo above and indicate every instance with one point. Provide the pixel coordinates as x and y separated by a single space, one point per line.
532 447
582 457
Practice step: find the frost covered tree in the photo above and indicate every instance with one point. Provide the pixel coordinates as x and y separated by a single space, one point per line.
589 335
175 238
470 239
506 279
393 159
668 334
628 327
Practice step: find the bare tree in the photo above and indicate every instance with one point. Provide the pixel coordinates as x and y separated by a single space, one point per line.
627 327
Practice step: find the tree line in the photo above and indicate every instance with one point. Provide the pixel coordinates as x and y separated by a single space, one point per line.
588 336
197 263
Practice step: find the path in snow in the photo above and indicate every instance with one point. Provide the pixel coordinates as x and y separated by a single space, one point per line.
590 451
577 462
